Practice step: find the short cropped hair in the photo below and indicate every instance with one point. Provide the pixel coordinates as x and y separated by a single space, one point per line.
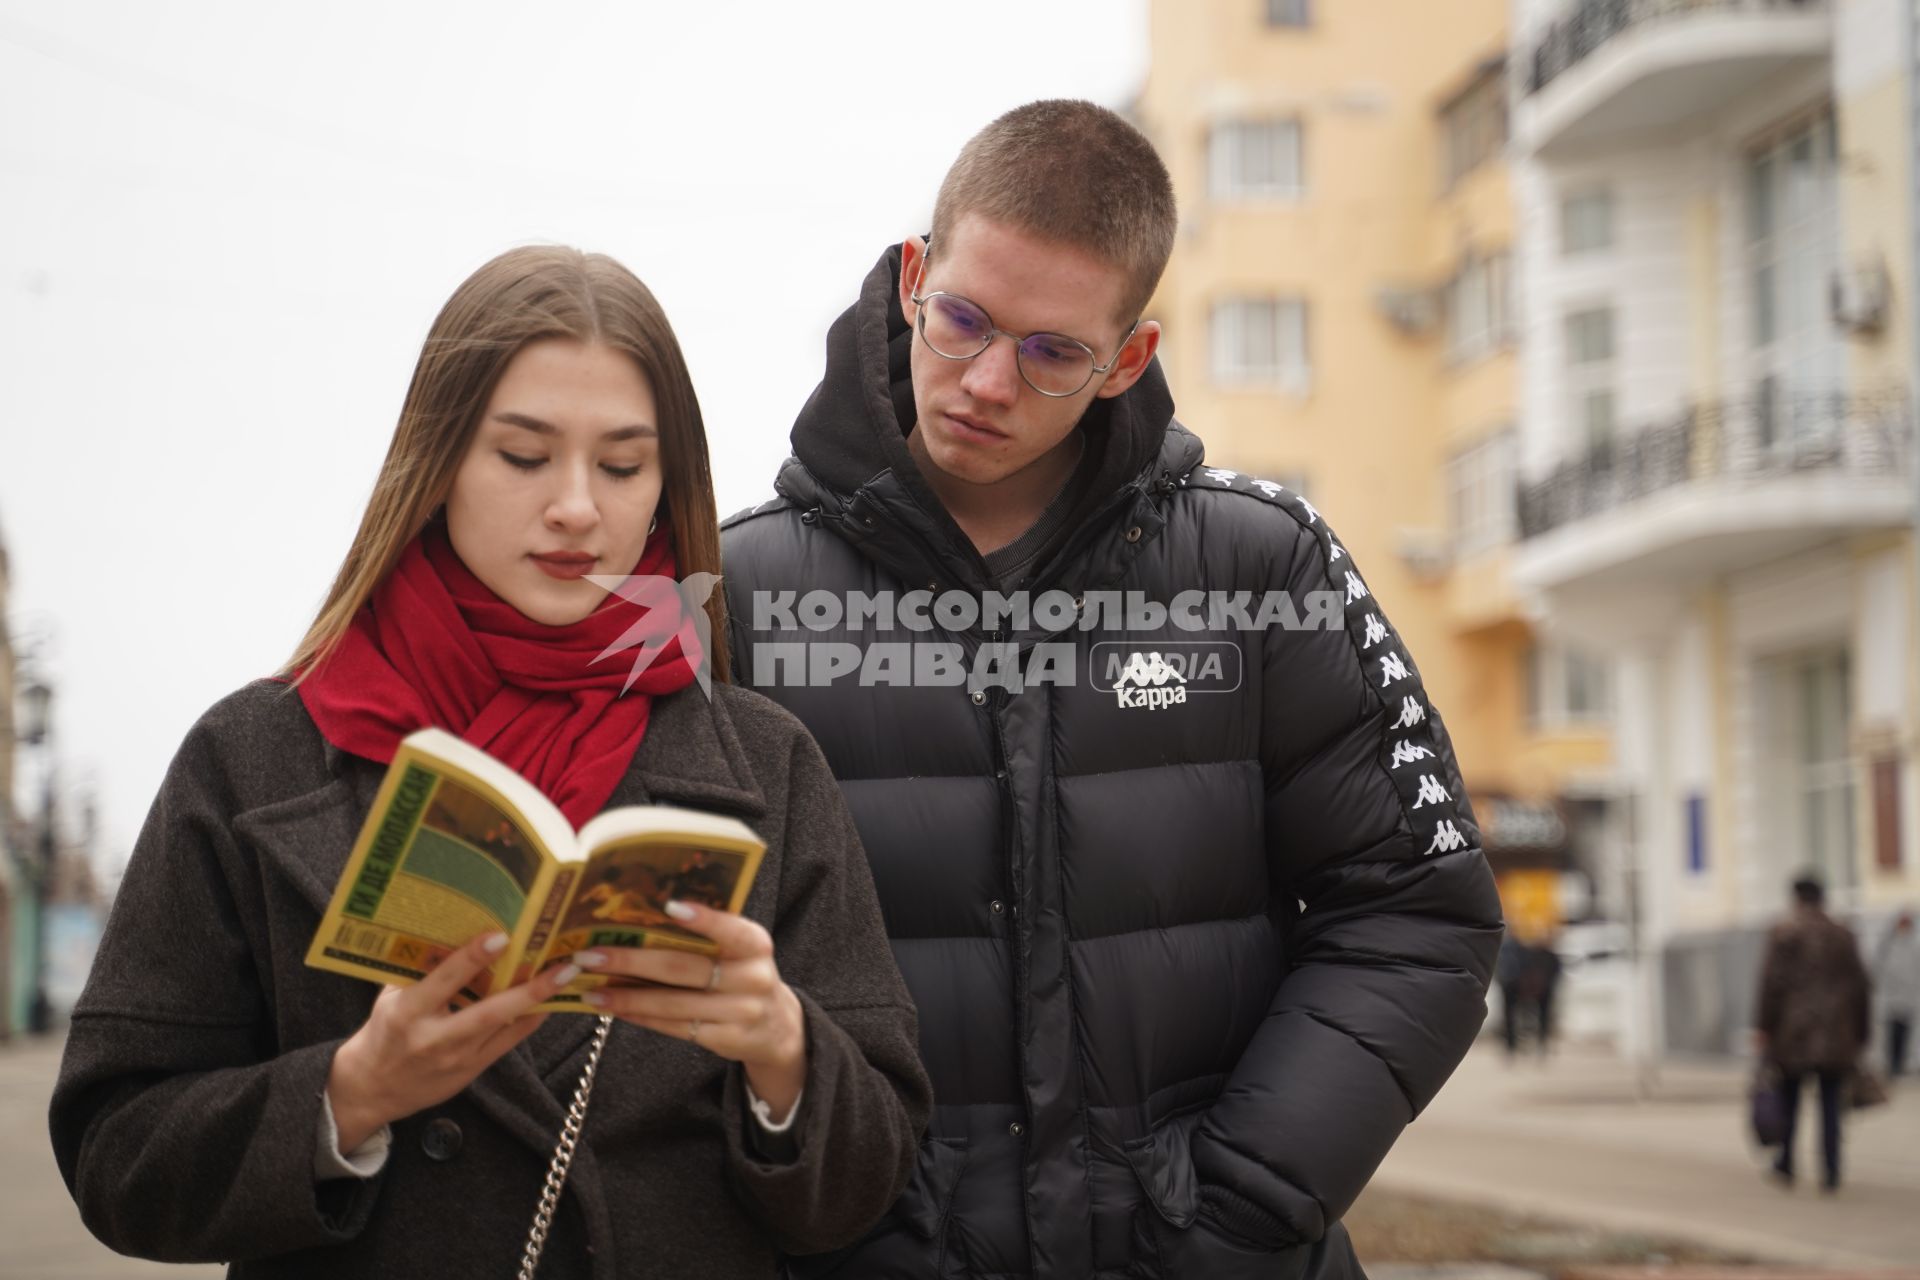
1808 890
1075 173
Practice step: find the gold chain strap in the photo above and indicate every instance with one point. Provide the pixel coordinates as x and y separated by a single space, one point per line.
563 1155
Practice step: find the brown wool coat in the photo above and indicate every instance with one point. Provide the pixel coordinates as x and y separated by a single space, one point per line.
185 1112
1814 994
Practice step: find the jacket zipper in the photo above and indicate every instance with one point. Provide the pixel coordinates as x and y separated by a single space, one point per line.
1016 873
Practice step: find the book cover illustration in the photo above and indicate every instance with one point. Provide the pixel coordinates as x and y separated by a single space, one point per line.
456 844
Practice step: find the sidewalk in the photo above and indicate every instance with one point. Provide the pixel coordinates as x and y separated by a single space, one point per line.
1565 1141
1568 1139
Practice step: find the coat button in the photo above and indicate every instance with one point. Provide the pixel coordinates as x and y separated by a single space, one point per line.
997 906
441 1139
1016 1128
1133 534
979 697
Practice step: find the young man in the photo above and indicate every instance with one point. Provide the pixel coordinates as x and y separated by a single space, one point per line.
1172 849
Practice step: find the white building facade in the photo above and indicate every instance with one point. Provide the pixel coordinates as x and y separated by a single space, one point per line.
1716 455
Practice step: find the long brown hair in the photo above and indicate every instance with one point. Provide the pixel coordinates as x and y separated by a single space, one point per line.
523 296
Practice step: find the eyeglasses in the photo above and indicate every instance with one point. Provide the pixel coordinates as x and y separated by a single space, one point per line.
1053 364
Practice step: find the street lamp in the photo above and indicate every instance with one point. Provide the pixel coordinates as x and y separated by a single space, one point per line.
36 720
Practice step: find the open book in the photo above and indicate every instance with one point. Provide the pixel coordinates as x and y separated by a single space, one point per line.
457 844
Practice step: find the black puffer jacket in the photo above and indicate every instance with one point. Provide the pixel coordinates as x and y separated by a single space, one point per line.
1185 964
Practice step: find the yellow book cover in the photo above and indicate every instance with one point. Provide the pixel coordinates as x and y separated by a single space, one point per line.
457 844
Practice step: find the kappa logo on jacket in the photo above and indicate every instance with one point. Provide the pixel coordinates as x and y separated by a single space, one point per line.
1150 681
1165 675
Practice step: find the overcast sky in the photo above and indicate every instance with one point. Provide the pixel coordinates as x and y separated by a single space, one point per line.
225 227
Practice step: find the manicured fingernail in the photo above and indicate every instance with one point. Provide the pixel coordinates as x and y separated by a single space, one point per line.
567 974
589 959
680 910
495 944
595 999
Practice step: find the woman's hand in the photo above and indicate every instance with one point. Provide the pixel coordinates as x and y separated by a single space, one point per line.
733 1005
414 1051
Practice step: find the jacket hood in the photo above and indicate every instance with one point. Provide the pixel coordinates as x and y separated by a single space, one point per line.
851 436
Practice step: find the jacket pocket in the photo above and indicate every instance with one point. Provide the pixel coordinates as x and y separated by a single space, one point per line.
1163 1165
1169 1193
913 1233
1171 1241
928 1199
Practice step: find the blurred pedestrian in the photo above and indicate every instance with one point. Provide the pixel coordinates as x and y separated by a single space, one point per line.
1543 970
1507 969
1812 1018
1897 970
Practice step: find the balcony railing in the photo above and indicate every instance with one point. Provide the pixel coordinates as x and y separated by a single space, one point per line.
1770 434
1590 24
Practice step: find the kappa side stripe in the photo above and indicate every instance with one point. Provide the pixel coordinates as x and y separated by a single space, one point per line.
1408 751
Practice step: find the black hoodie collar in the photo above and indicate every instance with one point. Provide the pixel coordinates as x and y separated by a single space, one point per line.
850 442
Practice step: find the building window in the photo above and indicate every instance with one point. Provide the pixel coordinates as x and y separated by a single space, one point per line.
1586 221
1587 686
1793 251
1289 13
1256 160
1474 126
1260 341
1567 688
1479 307
1592 412
1481 480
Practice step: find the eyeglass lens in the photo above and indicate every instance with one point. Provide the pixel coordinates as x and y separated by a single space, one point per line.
959 330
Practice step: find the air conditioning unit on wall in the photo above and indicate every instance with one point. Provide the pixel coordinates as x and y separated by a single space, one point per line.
1427 553
1859 298
1412 310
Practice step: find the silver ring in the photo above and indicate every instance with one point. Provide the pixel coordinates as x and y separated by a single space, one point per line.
713 982
693 1029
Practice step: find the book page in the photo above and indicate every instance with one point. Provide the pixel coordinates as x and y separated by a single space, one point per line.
443 859
620 900
623 895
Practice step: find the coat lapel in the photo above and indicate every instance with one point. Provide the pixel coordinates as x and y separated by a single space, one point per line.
692 756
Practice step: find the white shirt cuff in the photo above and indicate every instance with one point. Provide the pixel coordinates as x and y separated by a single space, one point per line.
763 1114
363 1161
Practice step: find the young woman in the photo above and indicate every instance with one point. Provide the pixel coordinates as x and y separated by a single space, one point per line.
219 1100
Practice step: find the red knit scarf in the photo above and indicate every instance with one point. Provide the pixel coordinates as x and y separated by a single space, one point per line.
435 646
